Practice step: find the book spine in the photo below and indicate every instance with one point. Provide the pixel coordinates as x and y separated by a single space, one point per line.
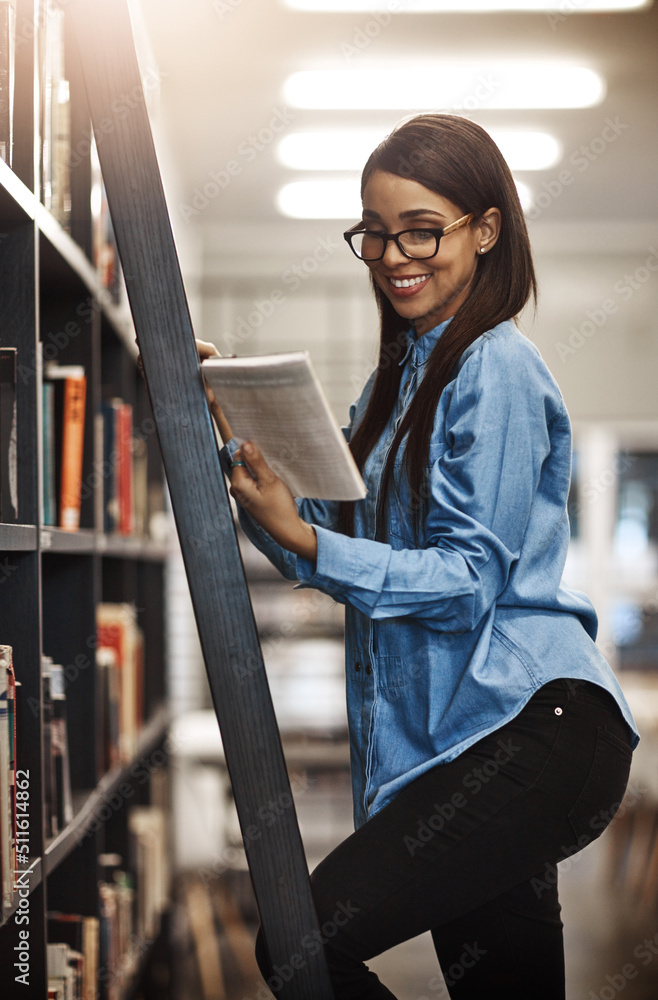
7 59
49 782
49 481
125 469
90 952
8 437
72 452
108 411
100 472
60 743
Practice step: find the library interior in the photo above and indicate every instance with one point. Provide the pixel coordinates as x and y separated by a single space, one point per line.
127 868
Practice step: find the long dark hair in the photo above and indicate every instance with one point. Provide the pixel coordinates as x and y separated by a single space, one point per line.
459 161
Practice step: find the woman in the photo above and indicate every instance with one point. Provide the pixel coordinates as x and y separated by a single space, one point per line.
489 737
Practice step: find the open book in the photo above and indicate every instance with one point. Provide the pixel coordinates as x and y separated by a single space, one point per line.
277 402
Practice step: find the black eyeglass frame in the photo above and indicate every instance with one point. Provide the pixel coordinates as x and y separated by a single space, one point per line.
438 235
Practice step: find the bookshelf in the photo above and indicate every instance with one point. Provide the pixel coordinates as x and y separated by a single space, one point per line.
55 307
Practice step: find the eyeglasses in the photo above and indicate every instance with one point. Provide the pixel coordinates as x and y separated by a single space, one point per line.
417 244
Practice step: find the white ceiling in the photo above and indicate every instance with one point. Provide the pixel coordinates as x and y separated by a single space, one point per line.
223 65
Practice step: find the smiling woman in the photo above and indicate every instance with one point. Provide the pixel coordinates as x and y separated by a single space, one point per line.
488 734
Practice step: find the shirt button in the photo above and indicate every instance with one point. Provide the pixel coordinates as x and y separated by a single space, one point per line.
558 711
357 666
368 668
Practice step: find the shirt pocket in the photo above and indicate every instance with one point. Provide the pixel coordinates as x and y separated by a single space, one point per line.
392 673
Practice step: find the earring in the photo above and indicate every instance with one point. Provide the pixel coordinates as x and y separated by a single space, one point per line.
483 249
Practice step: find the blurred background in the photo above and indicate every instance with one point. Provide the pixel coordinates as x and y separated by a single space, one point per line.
264 113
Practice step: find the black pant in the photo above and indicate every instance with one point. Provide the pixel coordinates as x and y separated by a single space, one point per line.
469 851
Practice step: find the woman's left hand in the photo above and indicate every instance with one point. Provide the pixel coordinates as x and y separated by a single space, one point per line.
270 503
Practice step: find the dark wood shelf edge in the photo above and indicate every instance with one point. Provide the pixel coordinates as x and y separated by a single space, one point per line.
120 547
31 877
18 538
57 540
89 542
19 192
69 838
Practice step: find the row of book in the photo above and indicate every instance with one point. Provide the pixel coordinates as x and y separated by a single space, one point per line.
7 76
60 154
119 480
124 499
55 116
64 394
120 656
95 958
120 662
120 666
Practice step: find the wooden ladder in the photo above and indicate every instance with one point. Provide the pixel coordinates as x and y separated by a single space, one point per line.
215 574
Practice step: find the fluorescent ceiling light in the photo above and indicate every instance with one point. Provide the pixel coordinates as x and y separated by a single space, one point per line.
455 85
328 150
528 150
321 200
466 6
350 150
340 199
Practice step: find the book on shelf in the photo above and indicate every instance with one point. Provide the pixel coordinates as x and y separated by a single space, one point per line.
56 120
79 934
57 771
125 524
105 253
118 462
132 901
128 503
64 405
8 437
8 811
109 674
118 630
277 402
147 827
65 968
7 65
118 955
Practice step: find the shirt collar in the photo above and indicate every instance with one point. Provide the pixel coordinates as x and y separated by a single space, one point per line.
420 348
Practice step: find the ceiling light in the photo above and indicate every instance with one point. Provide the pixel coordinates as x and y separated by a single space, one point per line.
460 85
328 150
350 150
321 200
528 150
466 6
341 199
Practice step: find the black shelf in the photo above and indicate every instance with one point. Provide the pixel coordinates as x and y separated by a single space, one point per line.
51 296
18 538
118 547
58 540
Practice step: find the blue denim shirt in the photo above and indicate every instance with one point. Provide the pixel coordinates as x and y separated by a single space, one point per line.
447 640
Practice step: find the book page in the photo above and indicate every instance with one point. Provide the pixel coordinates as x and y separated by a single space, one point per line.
277 402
